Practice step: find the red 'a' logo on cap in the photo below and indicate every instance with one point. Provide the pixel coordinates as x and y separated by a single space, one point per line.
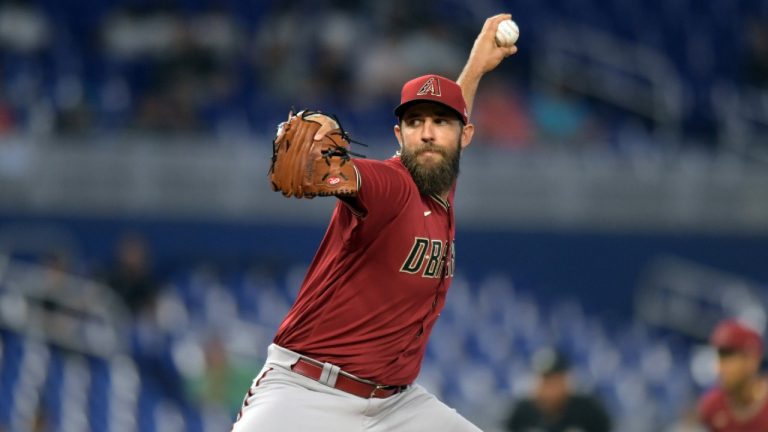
432 87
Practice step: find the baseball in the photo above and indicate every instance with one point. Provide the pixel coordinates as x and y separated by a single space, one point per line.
507 33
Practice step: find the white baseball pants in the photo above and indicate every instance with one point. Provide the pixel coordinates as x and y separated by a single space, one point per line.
280 400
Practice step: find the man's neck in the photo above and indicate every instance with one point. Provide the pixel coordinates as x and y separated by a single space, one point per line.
752 390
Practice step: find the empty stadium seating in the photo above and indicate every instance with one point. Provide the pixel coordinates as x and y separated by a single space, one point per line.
71 66
488 330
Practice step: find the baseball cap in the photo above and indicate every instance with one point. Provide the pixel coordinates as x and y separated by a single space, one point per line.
549 361
732 335
433 88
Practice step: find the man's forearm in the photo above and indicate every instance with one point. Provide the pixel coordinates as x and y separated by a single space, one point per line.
484 57
469 81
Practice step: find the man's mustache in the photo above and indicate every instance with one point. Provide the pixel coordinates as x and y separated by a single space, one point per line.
431 148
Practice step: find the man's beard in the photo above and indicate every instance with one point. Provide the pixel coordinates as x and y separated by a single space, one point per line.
437 178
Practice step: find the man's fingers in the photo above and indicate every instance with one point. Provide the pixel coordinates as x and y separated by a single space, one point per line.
499 17
323 131
493 22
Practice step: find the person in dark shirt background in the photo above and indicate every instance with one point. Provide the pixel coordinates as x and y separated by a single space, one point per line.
131 274
553 405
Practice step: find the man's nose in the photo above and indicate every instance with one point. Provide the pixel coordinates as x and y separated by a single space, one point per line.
428 131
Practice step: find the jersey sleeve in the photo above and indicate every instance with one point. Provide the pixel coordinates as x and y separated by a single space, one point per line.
384 189
706 405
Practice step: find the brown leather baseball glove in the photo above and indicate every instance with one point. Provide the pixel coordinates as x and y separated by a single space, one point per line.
305 168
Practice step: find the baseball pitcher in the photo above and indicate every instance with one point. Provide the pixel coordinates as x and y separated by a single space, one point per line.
346 356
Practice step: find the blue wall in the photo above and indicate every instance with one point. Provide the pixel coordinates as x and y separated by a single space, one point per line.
601 269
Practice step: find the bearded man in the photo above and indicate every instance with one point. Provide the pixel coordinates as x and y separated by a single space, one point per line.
347 354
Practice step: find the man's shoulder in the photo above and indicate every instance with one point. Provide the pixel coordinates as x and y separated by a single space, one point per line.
522 414
385 186
384 173
392 163
583 399
585 404
524 406
711 401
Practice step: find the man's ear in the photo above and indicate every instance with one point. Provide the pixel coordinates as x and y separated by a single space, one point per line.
467 133
399 135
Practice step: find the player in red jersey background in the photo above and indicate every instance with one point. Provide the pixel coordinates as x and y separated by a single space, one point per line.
740 402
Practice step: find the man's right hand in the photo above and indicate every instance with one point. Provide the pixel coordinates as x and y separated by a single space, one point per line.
486 55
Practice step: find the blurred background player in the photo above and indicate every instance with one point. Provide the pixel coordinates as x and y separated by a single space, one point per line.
554 406
131 274
740 402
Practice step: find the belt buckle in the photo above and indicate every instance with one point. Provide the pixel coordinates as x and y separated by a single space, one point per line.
375 388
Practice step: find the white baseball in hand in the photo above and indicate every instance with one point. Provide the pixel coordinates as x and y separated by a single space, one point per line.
507 33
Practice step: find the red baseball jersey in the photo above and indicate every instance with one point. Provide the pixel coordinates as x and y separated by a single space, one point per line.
378 280
718 414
